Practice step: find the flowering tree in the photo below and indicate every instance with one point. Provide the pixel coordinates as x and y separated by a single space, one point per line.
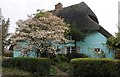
43 32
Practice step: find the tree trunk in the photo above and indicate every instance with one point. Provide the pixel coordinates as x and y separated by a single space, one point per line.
38 53
75 46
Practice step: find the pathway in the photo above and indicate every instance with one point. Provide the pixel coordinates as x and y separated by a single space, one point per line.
61 73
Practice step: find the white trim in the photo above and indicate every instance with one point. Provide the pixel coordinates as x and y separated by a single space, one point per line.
70 50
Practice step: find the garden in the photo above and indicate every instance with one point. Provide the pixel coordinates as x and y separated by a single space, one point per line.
76 66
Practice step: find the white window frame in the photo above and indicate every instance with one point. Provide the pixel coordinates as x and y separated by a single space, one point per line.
70 39
70 50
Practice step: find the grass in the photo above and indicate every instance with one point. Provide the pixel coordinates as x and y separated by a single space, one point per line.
64 66
53 70
11 71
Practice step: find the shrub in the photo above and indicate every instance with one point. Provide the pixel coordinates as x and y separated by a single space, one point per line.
72 55
63 66
95 67
60 58
51 56
37 66
53 70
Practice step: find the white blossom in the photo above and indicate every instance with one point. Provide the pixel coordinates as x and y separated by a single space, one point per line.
40 30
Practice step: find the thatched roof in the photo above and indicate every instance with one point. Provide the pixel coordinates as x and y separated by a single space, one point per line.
81 17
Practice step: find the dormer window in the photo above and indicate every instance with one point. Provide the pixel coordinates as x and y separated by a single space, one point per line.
93 18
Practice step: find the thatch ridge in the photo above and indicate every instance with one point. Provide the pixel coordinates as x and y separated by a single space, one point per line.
81 17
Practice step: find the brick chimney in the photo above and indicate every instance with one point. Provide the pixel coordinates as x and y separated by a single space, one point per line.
58 6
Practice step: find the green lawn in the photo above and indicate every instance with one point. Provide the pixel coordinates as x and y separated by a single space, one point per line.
11 71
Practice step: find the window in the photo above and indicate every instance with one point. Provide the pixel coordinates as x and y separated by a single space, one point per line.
94 18
70 49
69 37
97 50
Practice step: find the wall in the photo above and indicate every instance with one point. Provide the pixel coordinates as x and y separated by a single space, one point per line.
19 53
94 40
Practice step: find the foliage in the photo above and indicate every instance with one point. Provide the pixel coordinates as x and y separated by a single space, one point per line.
77 35
40 13
46 54
62 61
60 58
72 55
5 34
64 66
15 72
117 55
114 42
53 70
95 67
37 66
67 57
43 32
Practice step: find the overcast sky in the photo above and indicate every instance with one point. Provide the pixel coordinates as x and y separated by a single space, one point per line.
105 10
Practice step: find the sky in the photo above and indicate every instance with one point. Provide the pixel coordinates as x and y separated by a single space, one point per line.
105 10
119 14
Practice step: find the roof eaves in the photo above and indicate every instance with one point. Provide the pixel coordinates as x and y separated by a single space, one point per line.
105 32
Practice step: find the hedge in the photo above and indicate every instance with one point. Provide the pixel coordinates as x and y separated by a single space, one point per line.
72 55
89 67
37 66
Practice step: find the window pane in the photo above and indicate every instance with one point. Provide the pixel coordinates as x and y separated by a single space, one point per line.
73 49
97 49
68 49
69 37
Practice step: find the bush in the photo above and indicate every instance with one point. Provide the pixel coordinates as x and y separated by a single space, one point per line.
95 67
37 66
53 70
63 66
60 58
72 55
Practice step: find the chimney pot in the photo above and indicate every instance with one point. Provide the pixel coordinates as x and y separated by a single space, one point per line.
58 6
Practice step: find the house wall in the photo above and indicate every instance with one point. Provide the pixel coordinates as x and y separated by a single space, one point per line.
94 40
19 53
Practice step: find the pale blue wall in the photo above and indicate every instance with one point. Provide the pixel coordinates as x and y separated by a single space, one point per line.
18 52
94 40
